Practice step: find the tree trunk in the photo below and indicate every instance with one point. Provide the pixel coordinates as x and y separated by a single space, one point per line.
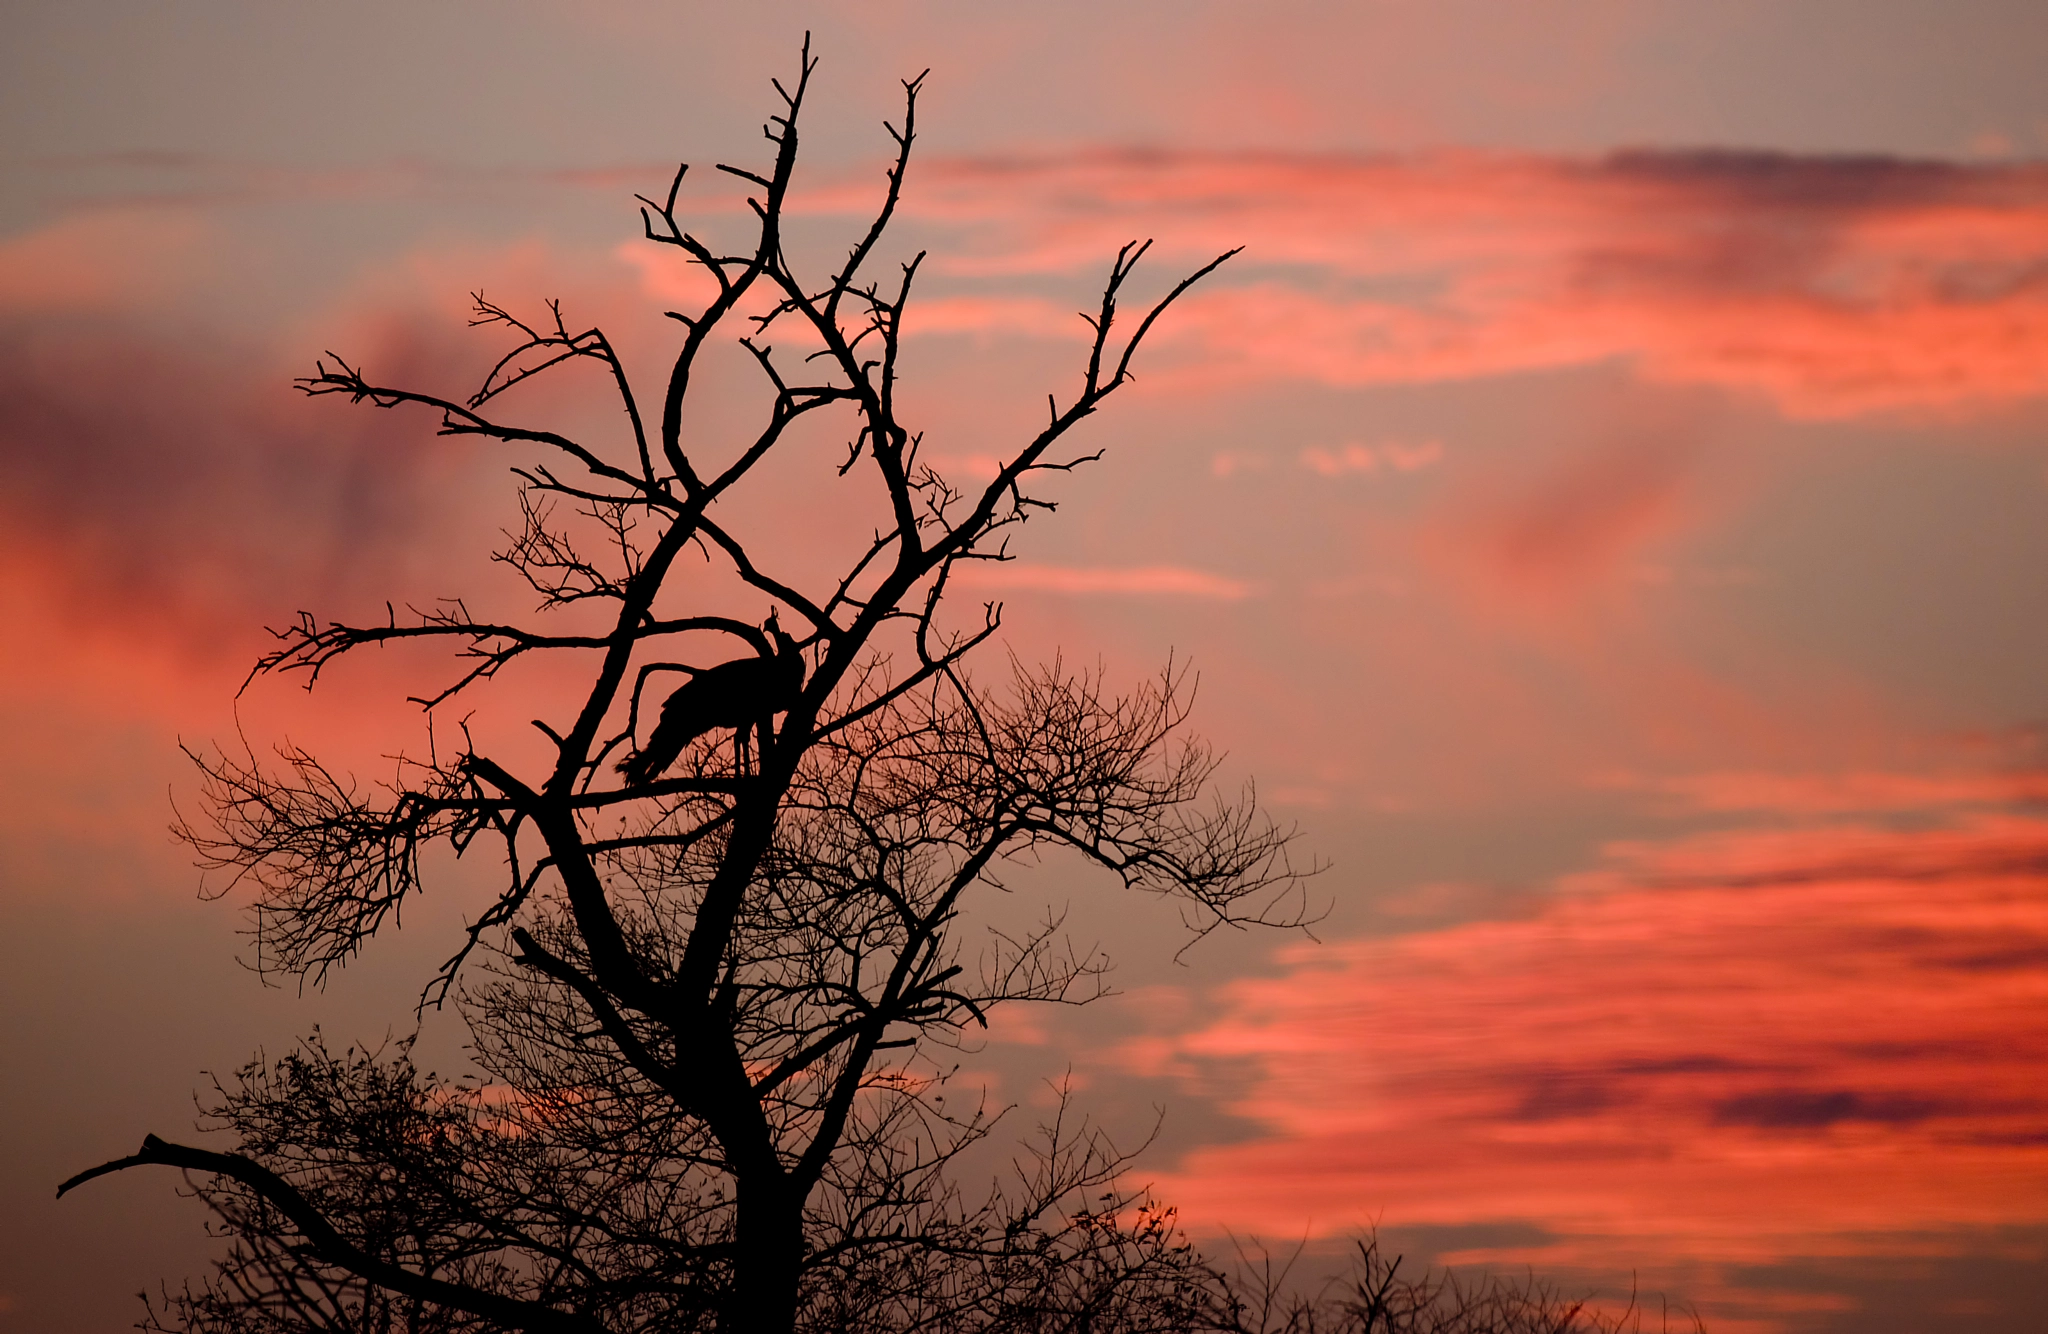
768 1256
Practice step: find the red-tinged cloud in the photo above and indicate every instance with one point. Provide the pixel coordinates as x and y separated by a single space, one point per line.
1830 287
1832 794
1827 286
1732 1048
165 494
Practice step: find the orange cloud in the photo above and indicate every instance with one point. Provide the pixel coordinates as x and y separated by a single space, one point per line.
1731 1049
1828 287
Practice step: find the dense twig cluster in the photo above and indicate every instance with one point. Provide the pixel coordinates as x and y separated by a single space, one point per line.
1376 1297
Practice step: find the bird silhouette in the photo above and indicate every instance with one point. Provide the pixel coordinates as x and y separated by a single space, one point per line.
740 694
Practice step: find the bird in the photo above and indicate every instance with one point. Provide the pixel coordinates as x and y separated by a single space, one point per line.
739 694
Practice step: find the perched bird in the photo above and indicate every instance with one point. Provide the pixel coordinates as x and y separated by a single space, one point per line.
739 694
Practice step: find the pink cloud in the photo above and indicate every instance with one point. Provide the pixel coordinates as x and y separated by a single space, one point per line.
1728 1049
1827 287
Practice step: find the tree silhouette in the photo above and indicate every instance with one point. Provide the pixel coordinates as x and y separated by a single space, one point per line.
713 1003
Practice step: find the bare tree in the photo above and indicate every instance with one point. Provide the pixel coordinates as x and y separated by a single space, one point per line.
714 1000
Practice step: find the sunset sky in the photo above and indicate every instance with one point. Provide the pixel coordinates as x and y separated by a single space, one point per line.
1606 505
